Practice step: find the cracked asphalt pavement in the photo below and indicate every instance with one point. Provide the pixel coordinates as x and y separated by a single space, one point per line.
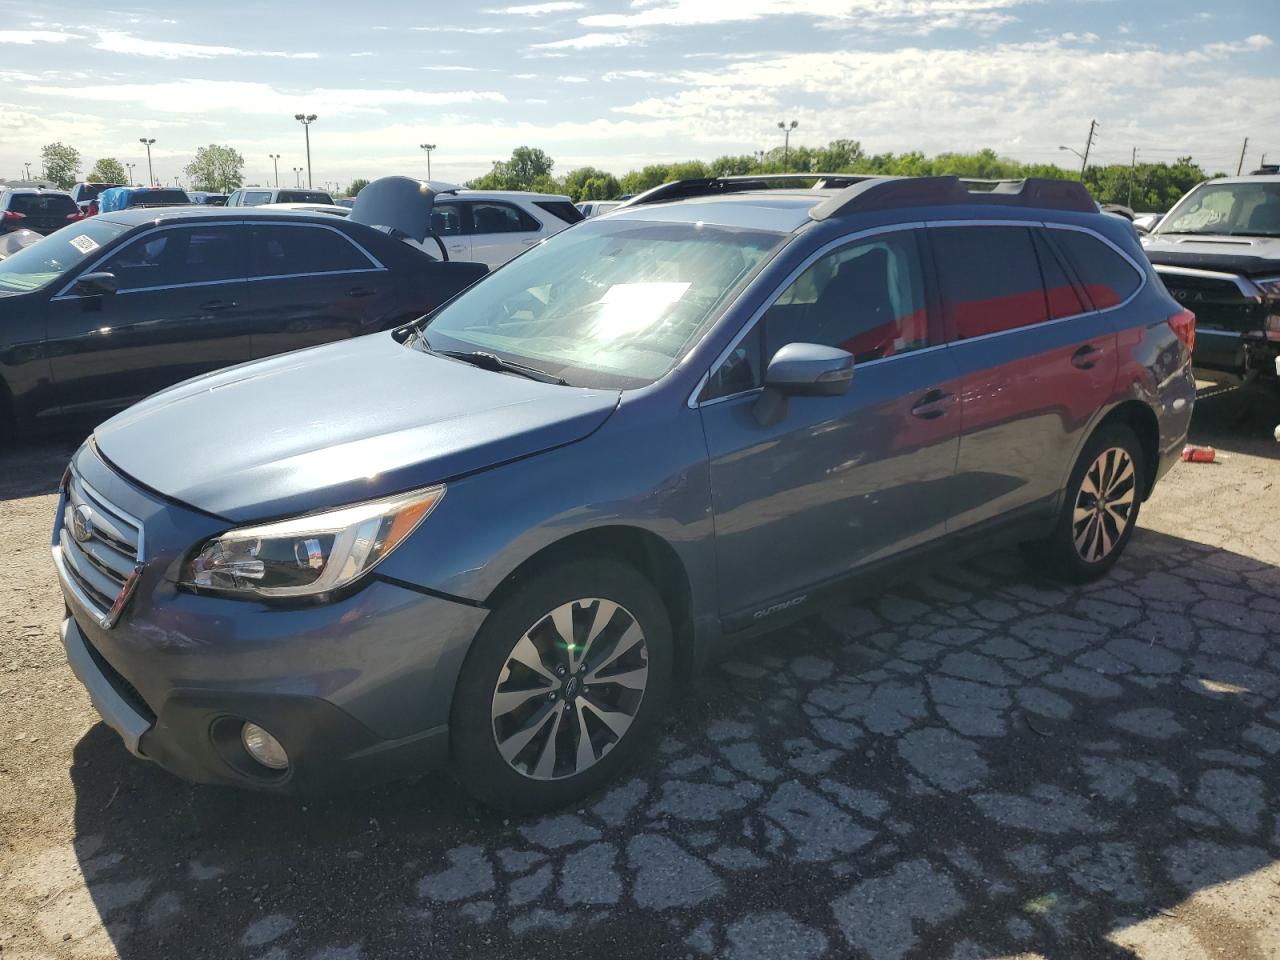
975 764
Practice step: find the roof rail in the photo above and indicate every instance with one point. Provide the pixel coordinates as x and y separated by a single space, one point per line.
883 193
713 186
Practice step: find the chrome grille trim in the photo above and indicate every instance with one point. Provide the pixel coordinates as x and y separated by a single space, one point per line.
101 572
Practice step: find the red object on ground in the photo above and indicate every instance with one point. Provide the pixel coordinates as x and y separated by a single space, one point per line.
1192 453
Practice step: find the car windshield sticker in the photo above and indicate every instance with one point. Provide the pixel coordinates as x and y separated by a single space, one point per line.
631 307
84 244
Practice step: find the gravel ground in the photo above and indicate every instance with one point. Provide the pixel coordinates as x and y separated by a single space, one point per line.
981 764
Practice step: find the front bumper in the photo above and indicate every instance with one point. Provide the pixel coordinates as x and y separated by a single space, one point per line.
357 690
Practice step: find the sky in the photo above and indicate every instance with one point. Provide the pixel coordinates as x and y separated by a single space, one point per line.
620 84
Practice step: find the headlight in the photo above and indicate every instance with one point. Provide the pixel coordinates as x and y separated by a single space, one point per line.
309 555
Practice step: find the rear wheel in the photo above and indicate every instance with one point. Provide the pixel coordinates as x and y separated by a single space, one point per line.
1099 510
562 686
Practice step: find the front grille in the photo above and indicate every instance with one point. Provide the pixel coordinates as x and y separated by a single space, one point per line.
1217 302
103 563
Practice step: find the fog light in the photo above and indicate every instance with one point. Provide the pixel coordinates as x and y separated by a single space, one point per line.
263 747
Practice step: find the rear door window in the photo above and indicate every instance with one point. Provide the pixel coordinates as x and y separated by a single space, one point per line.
1109 279
989 278
281 251
493 217
1063 297
184 257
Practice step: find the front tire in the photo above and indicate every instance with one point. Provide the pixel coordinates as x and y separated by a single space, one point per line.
1099 509
562 686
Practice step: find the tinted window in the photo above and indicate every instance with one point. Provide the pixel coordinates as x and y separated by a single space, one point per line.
304 196
562 209
867 298
280 251
446 219
159 198
1107 277
42 204
171 257
235 199
489 217
990 279
1063 299
253 198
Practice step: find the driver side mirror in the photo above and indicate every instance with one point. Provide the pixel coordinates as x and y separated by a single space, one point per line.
96 284
802 370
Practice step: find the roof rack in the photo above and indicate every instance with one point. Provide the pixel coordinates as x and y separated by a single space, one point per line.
862 192
712 186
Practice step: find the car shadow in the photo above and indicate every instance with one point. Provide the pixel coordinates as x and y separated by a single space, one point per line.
1238 419
32 468
977 761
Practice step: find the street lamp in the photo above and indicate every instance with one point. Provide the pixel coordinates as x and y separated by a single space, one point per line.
786 139
306 119
147 142
129 167
297 176
275 162
428 147
28 166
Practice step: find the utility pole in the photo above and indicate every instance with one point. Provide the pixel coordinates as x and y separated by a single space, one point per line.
1133 163
1240 165
151 176
1088 145
428 147
306 120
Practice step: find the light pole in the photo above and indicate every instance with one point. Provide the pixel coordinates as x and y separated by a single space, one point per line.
129 167
306 119
275 162
786 139
28 166
297 176
147 142
428 147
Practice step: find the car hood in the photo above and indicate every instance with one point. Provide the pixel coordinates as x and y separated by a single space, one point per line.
1251 256
337 424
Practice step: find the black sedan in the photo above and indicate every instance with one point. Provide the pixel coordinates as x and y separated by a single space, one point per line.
113 308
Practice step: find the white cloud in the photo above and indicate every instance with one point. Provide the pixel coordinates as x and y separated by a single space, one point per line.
613 75
685 13
573 79
115 42
28 37
450 68
238 96
590 41
538 9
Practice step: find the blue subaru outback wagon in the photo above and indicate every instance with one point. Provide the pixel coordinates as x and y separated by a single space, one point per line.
494 538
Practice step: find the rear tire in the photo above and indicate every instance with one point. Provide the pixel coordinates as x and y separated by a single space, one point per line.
1099 508
562 687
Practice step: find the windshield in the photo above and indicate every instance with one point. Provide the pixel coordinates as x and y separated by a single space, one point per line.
612 304
1246 209
40 264
303 196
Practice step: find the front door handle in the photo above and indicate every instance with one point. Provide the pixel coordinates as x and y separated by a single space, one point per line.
361 292
1087 357
215 305
933 404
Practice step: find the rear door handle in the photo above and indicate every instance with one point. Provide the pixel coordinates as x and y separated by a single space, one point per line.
361 292
215 305
1087 357
933 404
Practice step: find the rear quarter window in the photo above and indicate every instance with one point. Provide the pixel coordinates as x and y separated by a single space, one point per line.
1108 278
561 209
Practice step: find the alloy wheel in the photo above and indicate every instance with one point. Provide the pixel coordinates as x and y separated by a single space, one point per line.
1104 504
570 689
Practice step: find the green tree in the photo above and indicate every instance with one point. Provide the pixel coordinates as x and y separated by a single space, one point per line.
108 170
358 184
61 164
216 168
528 169
590 183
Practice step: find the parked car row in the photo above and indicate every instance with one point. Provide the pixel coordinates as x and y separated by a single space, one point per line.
495 536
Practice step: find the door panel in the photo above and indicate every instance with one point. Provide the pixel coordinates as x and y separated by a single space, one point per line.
311 285
1029 384
833 482
174 317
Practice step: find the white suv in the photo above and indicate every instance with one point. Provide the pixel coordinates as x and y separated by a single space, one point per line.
492 226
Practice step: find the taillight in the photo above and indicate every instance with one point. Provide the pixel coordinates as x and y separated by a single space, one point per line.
73 217
1183 324
11 215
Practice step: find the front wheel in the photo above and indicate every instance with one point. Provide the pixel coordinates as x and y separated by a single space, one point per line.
1099 510
562 686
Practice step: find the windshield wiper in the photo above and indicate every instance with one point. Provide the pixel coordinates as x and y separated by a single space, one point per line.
491 361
